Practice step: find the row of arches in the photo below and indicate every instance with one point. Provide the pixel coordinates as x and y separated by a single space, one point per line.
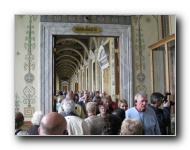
71 59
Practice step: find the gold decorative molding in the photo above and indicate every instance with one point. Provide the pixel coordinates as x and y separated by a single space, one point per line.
86 29
116 50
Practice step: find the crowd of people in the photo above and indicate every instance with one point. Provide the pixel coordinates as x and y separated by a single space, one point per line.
88 113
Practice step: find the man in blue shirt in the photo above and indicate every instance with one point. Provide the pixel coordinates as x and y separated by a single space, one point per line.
145 114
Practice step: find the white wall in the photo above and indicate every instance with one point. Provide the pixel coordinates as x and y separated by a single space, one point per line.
21 87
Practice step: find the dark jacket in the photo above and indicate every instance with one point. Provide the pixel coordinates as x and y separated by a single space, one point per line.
109 110
163 116
70 114
32 130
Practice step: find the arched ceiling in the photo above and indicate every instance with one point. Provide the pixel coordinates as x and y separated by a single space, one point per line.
70 52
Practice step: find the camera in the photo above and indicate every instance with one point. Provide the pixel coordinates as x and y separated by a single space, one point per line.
165 99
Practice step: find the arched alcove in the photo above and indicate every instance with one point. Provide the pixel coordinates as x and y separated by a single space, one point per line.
103 56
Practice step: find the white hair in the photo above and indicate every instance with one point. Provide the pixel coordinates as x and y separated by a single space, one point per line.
141 93
37 117
69 106
131 126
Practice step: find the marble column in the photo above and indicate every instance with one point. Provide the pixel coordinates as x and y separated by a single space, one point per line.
74 81
89 75
84 78
97 71
80 80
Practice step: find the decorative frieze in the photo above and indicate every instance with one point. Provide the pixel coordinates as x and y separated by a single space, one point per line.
99 19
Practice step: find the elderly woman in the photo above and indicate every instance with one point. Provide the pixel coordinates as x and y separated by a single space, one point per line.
95 123
102 110
36 119
19 121
131 126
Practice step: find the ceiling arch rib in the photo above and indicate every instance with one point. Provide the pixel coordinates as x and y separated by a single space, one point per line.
73 39
68 76
93 44
67 73
96 44
68 56
66 60
63 68
67 65
70 53
70 49
63 71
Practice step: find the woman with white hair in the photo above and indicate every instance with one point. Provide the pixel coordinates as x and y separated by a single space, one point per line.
95 123
36 119
131 126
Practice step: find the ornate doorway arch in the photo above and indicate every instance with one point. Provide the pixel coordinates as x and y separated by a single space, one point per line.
111 30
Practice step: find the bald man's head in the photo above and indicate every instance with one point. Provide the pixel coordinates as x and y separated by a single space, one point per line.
52 124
